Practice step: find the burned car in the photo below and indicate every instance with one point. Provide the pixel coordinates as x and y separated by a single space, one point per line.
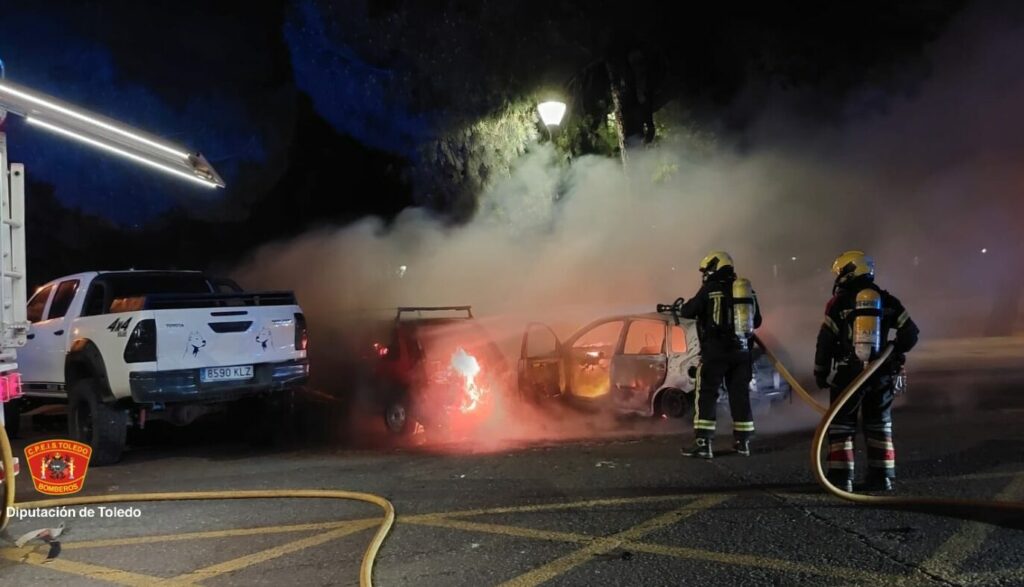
437 368
639 363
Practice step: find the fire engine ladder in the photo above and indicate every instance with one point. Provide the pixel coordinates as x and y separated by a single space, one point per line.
13 317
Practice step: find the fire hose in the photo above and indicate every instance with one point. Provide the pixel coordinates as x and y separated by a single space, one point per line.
829 414
366 566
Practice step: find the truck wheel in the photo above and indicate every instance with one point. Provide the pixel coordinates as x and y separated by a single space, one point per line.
672 403
102 426
12 417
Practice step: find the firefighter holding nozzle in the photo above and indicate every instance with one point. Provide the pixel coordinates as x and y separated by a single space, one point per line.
857 322
727 313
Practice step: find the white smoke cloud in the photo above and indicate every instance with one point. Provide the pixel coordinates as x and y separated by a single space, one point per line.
923 186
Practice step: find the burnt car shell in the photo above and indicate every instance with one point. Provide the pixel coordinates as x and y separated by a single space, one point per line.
414 377
636 363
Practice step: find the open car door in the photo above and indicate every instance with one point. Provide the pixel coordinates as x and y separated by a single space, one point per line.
541 371
638 370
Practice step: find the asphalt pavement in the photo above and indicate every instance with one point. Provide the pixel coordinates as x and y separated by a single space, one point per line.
627 510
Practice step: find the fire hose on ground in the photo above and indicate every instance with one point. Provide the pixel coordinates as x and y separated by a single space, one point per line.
365 569
829 414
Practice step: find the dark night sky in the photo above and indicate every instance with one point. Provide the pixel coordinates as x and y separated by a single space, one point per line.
225 83
90 56
240 82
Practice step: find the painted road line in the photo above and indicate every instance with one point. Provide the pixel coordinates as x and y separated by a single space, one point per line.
1003 577
687 553
440 521
966 477
808 497
569 505
133 541
947 559
599 546
86 570
502 530
262 556
747 560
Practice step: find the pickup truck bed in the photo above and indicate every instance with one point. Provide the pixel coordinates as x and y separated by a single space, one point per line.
124 347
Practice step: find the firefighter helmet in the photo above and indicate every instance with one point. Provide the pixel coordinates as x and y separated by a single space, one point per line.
852 264
715 261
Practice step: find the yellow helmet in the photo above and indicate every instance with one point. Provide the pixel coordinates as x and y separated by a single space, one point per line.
714 261
852 264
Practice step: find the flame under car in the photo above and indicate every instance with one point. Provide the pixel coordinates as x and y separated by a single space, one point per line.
640 363
438 373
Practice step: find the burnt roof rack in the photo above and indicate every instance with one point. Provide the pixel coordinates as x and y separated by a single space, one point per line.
419 309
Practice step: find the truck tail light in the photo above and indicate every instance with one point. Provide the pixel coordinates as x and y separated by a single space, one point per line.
141 347
301 334
10 387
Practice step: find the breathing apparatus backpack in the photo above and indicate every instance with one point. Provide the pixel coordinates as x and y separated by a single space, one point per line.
744 308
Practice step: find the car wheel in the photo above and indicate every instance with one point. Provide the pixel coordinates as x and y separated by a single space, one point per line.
672 403
397 418
102 426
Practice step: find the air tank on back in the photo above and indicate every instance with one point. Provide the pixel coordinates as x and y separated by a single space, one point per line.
743 310
867 324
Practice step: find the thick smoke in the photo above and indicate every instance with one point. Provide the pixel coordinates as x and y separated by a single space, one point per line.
925 182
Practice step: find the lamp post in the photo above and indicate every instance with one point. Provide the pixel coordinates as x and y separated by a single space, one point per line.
551 113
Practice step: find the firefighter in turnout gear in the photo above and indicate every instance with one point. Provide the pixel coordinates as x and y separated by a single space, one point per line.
857 323
727 312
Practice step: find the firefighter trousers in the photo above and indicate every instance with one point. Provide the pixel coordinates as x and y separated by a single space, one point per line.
873 404
735 370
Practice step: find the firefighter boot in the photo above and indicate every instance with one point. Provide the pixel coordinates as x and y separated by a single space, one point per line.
879 483
742 447
701 449
842 481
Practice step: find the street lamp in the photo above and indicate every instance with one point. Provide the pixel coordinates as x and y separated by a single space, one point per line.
551 112
108 135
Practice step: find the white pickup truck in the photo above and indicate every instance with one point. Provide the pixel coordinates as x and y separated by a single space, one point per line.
125 347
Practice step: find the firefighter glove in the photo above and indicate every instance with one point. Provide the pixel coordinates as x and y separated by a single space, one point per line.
821 380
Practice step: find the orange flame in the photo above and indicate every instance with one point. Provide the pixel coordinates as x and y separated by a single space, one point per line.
466 365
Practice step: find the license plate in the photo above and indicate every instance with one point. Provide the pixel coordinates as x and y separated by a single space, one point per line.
236 373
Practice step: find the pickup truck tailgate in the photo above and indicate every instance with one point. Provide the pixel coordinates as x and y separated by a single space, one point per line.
225 336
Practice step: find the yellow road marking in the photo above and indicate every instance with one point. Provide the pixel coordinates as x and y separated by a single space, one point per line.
514 531
440 521
1004 577
208 534
95 572
944 561
968 477
809 497
970 537
275 552
568 505
572 560
747 560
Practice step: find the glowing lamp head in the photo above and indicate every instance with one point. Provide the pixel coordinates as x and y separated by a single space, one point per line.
551 112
